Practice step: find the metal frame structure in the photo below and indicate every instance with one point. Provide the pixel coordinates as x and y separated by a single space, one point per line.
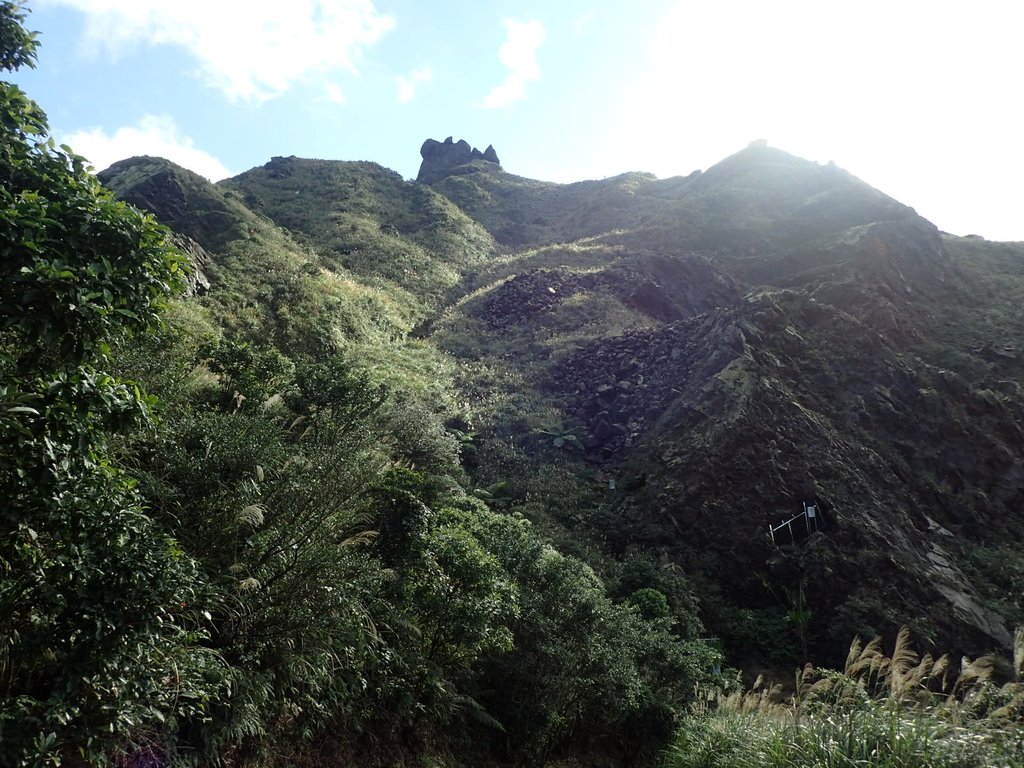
811 518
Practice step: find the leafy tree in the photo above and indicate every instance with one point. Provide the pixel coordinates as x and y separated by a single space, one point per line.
275 501
585 674
251 373
17 44
98 604
459 596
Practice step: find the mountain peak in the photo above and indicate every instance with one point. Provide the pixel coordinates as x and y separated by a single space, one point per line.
440 159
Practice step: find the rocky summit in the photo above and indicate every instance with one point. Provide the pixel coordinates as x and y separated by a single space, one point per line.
441 159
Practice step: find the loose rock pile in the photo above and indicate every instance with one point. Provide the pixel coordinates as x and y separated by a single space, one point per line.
532 293
666 289
620 387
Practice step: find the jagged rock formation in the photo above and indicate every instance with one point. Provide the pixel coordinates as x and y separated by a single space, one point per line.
442 159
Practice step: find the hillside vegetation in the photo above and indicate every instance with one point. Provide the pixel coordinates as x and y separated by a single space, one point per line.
319 466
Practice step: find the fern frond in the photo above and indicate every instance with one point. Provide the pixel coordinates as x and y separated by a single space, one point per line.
473 711
369 624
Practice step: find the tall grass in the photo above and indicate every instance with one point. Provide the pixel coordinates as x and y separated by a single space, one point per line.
891 711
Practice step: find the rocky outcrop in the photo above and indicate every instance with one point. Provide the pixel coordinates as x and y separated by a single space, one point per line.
735 415
150 184
198 282
177 197
447 158
280 167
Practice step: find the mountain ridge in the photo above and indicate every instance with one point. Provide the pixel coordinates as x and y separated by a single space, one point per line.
751 336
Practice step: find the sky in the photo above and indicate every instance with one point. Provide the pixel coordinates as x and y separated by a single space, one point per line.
920 98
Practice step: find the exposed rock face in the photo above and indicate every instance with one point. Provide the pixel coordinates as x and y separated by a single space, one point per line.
280 167
178 198
781 398
157 189
198 282
442 159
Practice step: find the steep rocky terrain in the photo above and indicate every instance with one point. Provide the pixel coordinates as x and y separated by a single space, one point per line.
665 369
808 358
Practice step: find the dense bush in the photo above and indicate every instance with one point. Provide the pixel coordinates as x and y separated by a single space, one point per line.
98 643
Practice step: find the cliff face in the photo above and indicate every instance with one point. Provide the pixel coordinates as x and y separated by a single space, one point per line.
666 369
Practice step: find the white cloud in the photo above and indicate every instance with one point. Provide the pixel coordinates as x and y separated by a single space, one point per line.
155 135
334 94
407 85
518 53
251 51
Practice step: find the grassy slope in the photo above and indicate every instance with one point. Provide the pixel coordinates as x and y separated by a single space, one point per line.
366 220
521 212
899 711
269 287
